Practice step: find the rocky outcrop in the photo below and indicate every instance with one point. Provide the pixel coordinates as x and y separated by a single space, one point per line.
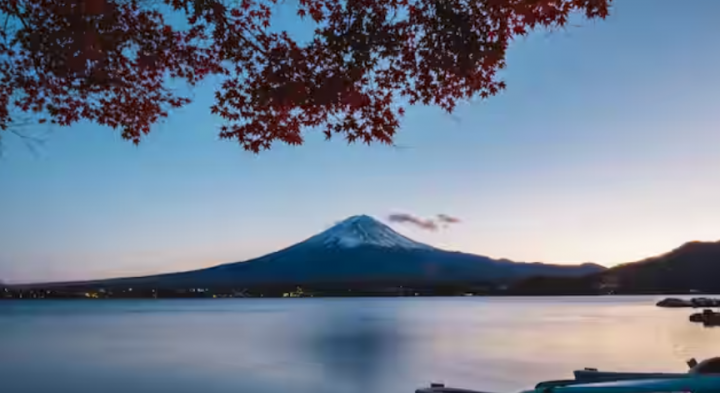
707 317
672 302
698 302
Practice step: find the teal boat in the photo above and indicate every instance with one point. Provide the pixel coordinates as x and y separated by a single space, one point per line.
703 377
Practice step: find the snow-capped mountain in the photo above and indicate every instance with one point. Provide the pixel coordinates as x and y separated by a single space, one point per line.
363 230
359 249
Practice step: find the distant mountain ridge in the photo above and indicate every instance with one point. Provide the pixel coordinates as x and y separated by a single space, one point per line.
694 266
359 249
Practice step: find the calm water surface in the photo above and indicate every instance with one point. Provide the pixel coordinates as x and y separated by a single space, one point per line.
334 345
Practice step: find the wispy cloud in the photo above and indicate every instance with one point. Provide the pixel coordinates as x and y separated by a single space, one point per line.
417 221
448 219
431 224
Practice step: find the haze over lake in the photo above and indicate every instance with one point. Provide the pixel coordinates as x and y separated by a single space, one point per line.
388 345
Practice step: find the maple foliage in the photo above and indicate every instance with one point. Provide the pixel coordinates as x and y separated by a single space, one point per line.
110 61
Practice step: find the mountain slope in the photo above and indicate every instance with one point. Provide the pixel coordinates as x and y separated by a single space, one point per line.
692 266
361 250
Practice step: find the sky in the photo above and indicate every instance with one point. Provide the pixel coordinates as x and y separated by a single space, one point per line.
604 148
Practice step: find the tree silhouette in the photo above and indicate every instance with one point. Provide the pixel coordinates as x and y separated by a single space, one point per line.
111 61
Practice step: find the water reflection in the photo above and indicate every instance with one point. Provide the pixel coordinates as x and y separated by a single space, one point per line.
335 345
355 346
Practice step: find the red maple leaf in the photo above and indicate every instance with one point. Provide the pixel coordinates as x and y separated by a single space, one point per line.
108 61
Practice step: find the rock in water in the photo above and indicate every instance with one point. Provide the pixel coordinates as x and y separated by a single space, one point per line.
672 302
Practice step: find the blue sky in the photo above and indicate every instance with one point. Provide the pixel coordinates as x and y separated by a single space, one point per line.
604 148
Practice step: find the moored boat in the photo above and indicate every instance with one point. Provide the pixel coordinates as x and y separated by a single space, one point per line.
703 377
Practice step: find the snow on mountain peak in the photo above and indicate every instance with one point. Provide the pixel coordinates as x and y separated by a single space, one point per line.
363 230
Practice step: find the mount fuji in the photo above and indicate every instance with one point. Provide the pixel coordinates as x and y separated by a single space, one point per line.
358 231
358 250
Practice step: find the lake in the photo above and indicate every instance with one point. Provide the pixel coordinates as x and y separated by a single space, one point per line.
351 345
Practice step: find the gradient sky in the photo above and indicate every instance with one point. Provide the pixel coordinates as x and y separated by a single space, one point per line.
605 147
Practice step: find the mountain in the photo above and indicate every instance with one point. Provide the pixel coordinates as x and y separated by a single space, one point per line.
692 266
357 251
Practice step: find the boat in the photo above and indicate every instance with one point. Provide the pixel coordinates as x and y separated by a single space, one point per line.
703 377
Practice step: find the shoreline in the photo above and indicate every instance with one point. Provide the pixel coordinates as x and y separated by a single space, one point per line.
214 297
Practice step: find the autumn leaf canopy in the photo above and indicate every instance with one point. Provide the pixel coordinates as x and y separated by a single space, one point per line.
111 62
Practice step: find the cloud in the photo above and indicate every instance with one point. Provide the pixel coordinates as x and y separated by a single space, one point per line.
448 219
417 221
431 224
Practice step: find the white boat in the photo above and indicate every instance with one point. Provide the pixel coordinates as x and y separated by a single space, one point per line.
703 377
